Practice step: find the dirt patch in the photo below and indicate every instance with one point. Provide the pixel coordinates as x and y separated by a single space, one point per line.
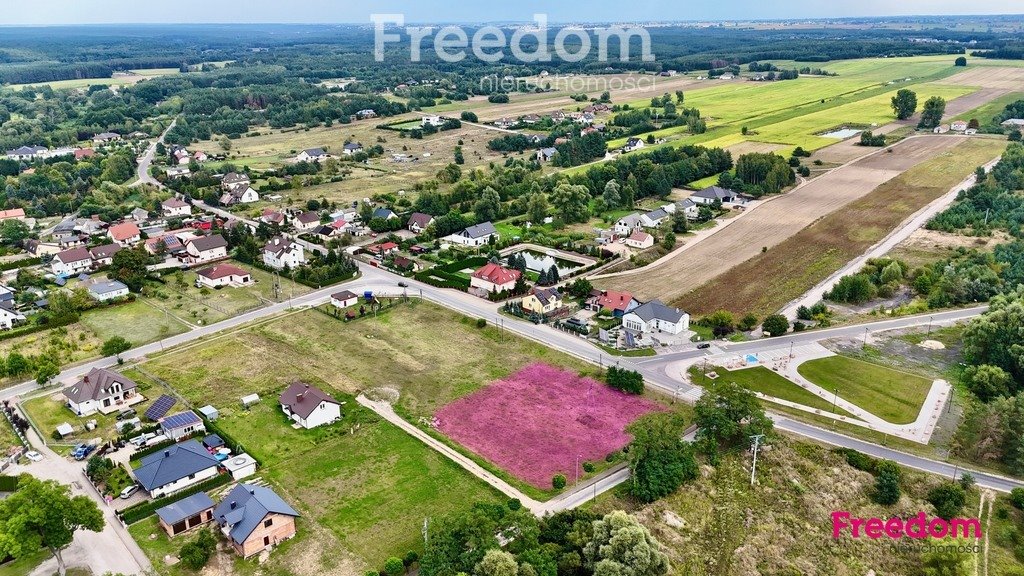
750 147
927 246
987 77
773 222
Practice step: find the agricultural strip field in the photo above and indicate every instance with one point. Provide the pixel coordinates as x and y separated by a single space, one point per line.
799 258
770 224
892 395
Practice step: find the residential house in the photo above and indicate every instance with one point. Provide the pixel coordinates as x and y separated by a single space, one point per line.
125 233
26 153
494 278
82 153
181 155
941 129
689 208
206 248
351 148
344 299
476 235
182 425
654 218
175 468
712 193
272 216
186 514
166 243
200 156
100 390
71 262
239 194
383 214
542 300
616 303
958 125
280 252
418 222
173 207
104 138
9 316
12 214
633 144
383 249
627 224
104 255
656 317
139 214
109 290
306 221
639 240
546 154
222 275
505 123
254 518
178 171
232 179
309 406
367 113
432 120
1017 123
312 155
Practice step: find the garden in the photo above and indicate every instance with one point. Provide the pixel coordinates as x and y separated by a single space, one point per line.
543 421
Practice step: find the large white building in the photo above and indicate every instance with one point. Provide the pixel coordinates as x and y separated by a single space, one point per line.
654 317
280 252
175 468
99 390
476 235
71 262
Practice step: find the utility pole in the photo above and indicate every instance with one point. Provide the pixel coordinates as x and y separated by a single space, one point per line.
790 349
835 399
753 469
865 345
929 325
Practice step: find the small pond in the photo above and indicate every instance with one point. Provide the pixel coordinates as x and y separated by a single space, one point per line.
536 261
842 134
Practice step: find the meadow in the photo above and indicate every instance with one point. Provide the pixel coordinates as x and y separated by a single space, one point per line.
892 395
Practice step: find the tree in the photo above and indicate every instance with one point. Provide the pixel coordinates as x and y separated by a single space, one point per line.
129 266
625 380
887 483
680 225
47 369
459 158
581 288
659 459
987 381
721 322
776 325
114 346
1015 136
488 206
42 513
931 114
571 201
537 207
196 552
994 337
558 481
948 499
225 143
612 194
13 232
497 563
960 61
728 414
669 241
904 103
748 322
394 566
621 546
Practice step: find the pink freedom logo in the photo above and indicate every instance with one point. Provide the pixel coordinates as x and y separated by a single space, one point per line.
918 526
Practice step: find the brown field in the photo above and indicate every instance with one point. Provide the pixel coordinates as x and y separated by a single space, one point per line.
750 147
988 77
927 246
767 281
774 222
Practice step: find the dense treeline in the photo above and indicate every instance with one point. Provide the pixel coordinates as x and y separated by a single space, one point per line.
655 173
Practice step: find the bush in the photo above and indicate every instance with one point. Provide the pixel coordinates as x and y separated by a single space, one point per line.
625 380
481 323
948 500
410 558
748 322
514 504
196 553
858 460
558 482
394 566
588 467
776 325
1017 498
887 483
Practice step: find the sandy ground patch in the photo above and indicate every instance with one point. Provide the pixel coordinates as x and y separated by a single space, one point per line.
750 147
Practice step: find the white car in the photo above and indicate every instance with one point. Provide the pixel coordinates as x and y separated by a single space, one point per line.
34 456
129 491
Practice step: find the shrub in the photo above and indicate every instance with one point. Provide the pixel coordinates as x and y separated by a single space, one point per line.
394 566
514 504
196 553
1017 498
748 322
410 558
625 380
480 323
558 482
887 483
858 460
776 325
948 500
588 467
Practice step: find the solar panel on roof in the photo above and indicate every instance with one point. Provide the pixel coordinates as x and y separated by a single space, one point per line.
159 408
180 420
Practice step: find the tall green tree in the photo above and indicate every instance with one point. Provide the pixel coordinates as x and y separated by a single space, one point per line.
129 266
14 232
904 103
612 194
659 459
887 483
994 337
488 206
115 345
571 201
44 514
537 207
621 546
931 114
728 414
497 563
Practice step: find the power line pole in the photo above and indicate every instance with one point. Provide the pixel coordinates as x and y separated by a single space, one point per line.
757 442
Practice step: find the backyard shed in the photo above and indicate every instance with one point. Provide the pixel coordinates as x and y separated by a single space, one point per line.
209 412
250 400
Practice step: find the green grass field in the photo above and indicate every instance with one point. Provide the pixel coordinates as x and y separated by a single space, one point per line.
986 112
25 565
137 321
7 436
889 394
763 380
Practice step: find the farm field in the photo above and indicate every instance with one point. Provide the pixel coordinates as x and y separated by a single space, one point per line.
121 80
987 111
765 282
890 394
765 381
770 224
510 422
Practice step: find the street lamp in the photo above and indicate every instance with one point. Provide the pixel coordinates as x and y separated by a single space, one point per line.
577 469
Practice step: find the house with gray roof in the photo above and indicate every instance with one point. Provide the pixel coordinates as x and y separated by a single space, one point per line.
476 235
182 425
254 518
312 155
186 514
101 390
712 193
103 291
654 218
175 468
655 317
627 224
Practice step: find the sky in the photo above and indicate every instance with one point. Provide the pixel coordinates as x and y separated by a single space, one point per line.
50 12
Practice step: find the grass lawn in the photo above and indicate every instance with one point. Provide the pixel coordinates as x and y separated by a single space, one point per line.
68 344
7 436
24 565
49 411
137 321
765 381
889 394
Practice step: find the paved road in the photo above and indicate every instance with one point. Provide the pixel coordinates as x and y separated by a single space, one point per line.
908 227
147 160
253 224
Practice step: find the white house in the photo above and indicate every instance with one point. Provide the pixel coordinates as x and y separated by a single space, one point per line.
494 278
419 221
640 240
476 235
689 208
125 233
344 299
958 125
633 144
351 148
99 390
712 193
26 153
9 316
306 221
655 317
432 120
312 155
173 207
280 252
222 275
239 194
182 425
654 218
104 255
175 468
309 406
103 291
627 224
71 262
206 248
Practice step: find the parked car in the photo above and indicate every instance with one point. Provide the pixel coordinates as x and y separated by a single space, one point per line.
82 451
126 414
129 491
403 285
703 346
34 456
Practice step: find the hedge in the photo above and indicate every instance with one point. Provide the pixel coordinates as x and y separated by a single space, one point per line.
8 483
446 276
20 263
144 510
18 332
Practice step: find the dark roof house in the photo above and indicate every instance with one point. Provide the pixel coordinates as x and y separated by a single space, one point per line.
244 509
302 399
172 464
